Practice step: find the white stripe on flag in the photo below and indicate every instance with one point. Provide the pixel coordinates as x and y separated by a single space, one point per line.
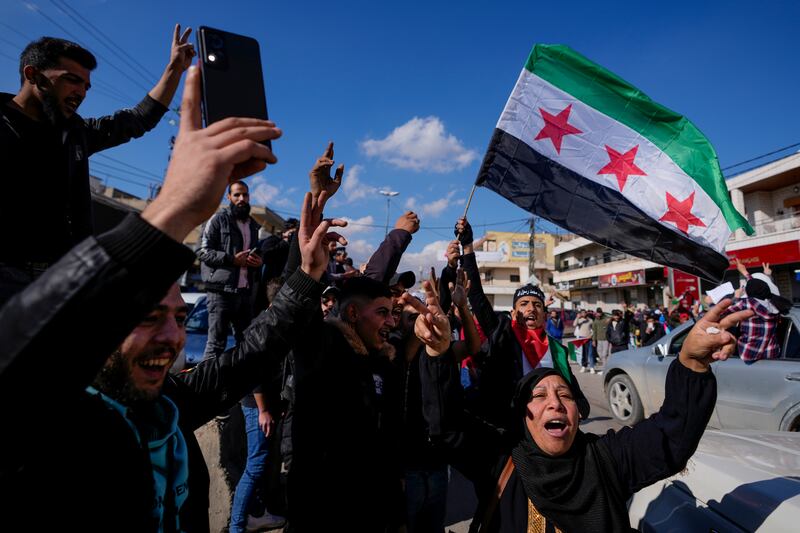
585 153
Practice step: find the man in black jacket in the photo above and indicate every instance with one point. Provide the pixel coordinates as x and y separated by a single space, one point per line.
45 147
88 461
229 265
617 331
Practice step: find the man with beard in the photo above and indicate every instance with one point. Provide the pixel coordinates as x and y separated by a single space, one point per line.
45 147
229 263
112 459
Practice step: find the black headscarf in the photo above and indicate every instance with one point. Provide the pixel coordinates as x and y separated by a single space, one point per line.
577 491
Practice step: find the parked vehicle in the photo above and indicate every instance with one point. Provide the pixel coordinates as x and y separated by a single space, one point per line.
764 395
190 298
196 336
735 481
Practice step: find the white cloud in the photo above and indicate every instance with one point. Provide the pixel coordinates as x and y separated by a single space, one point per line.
360 250
421 144
353 188
432 255
435 207
357 225
266 194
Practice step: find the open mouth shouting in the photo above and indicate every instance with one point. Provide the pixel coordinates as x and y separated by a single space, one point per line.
557 427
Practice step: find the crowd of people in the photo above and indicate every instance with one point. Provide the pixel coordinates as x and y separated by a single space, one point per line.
372 391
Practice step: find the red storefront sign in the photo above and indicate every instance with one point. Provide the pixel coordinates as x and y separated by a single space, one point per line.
774 254
688 284
621 279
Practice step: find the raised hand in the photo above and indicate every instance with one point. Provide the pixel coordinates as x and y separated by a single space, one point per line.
408 221
741 268
453 253
313 236
460 289
434 283
708 341
204 161
767 269
181 52
463 232
432 326
320 175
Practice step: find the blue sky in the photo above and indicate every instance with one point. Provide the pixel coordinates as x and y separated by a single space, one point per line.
411 91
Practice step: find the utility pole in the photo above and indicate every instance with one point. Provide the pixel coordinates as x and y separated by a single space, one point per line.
389 195
532 246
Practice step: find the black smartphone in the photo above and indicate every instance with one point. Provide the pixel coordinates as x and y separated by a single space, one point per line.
233 82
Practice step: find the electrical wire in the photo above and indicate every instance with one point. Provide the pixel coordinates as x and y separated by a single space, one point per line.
761 157
115 49
105 60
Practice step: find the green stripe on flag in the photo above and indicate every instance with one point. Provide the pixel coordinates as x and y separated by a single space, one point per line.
559 355
674 134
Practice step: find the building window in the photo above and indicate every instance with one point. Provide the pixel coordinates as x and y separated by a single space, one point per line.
514 278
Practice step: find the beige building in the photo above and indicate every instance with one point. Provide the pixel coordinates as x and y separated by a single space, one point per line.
504 263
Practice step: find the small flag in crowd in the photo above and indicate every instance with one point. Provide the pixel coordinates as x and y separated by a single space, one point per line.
576 343
581 147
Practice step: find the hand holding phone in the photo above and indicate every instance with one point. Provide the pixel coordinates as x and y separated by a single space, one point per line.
233 82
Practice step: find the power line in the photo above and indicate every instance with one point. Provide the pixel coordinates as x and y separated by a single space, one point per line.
13 29
112 47
128 172
761 156
38 10
134 167
113 177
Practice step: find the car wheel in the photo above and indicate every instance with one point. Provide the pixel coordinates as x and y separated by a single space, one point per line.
623 400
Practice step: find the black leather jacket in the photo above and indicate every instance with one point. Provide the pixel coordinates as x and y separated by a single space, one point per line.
222 240
64 446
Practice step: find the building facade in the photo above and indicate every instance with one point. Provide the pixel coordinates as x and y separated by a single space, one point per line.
505 262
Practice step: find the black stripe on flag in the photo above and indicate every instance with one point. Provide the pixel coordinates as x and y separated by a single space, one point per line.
544 187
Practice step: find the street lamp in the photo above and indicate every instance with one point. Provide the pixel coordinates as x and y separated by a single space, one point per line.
389 195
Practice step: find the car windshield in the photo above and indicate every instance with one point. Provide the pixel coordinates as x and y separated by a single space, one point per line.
197 321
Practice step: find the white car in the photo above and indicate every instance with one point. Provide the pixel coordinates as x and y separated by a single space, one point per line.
736 481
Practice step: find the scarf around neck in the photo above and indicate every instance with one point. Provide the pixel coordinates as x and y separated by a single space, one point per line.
577 491
533 342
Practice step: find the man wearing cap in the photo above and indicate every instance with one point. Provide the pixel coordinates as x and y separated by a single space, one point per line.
329 298
757 339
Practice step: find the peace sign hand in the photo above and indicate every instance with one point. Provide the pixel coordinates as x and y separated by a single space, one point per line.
432 326
181 52
708 341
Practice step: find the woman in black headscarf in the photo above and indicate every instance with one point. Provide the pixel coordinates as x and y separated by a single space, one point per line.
561 479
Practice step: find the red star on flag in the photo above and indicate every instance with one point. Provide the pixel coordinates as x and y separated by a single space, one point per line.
680 213
556 127
622 165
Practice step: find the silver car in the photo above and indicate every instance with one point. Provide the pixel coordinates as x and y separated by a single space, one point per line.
764 395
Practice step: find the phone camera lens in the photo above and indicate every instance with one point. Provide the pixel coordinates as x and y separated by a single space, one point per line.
216 41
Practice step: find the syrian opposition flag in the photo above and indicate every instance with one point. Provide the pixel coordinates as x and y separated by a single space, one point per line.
581 147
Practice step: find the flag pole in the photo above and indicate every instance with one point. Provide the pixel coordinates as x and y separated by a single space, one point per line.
469 200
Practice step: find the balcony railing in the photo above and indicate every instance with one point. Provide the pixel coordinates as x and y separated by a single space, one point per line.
778 224
593 261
